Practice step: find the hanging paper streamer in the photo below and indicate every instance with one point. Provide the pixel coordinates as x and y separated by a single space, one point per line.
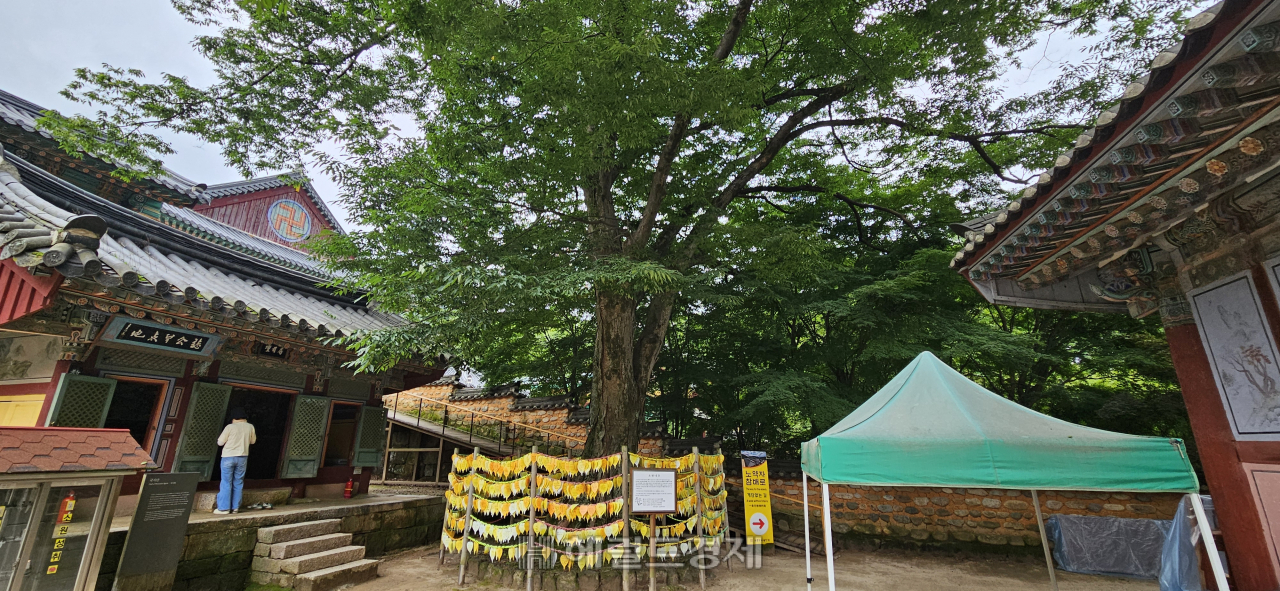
574 508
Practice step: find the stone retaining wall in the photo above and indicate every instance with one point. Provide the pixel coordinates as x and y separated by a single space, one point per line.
218 553
974 518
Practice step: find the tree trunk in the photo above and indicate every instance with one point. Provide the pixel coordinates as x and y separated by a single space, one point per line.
617 403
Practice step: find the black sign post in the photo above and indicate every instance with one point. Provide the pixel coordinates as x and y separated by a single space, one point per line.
155 541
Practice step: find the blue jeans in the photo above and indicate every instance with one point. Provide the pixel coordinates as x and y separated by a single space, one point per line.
232 484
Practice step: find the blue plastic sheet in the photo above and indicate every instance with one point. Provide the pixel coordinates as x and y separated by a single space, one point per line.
1108 545
1180 562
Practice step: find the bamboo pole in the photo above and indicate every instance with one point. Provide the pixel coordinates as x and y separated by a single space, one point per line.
653 549
533 497
700 512
446 505
1044 540
626 516
466 523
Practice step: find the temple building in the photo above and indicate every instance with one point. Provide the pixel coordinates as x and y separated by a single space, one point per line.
1168 205
160 305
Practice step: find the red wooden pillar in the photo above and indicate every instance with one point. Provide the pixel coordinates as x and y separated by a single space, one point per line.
1242 531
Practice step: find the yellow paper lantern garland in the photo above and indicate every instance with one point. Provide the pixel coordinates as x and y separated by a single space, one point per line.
496 496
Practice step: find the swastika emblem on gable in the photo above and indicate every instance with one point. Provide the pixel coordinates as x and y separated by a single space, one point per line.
289 220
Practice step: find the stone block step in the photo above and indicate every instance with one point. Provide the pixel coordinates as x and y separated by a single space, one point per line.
309 562
298 531
343 575
302 547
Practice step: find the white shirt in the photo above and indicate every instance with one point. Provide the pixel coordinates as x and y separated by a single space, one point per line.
236 439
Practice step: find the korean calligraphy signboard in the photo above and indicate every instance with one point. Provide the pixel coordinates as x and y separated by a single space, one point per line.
755 495
156 336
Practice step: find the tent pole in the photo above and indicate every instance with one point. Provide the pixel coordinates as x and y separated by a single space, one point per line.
1210 546
808 566
1044 540
826 530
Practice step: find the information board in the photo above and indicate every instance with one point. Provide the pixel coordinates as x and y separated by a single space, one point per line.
755 498
653 491
155 540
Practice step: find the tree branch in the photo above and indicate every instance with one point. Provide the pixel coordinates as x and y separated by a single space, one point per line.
658 186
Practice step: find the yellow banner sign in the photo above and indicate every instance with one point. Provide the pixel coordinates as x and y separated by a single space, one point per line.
755 494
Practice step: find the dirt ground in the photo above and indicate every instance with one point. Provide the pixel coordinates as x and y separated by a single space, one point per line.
885 570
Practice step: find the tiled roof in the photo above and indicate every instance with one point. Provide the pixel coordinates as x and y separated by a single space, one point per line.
25 450
119 248
22 113
234 238
512 389
272 182
1130 175
544 403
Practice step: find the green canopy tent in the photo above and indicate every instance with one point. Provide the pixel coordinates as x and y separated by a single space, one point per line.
931 426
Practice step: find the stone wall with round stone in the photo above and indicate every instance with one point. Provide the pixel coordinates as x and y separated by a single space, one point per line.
974 517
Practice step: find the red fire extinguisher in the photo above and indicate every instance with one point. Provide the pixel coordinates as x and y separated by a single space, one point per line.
346 493
66 507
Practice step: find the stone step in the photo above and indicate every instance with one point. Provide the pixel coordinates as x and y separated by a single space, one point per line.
302 547
309 562
344 575
298 531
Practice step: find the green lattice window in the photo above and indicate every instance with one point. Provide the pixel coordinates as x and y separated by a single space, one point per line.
198 448
82 401
373 434
306 437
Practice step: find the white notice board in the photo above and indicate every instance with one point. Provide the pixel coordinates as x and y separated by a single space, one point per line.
653 491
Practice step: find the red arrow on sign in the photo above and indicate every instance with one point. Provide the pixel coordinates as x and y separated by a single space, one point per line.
758 523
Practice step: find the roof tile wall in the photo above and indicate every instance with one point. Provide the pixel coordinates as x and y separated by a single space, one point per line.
54 449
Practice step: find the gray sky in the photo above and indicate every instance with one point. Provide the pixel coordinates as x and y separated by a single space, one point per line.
46 40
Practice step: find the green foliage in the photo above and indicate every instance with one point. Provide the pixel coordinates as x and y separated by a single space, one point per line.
769 181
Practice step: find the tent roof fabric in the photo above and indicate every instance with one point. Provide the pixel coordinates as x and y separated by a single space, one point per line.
931 426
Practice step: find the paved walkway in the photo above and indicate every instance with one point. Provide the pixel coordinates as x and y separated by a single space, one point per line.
419 570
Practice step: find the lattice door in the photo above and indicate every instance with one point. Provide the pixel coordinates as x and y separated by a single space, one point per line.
81 401
305 449
371 436
198 448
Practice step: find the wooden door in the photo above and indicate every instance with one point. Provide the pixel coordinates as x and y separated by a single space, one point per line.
371 435
198 446
304 452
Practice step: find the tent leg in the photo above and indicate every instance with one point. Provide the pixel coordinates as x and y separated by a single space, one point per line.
1210 546
808 567
826 530
1044 540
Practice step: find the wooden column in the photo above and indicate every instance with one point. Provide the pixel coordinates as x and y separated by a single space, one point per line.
466 523
1243 534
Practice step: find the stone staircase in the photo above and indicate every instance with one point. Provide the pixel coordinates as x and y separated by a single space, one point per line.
309 556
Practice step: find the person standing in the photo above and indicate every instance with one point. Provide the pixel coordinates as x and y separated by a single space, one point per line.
235 441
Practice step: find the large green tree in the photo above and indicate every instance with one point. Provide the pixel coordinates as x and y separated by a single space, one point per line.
516 157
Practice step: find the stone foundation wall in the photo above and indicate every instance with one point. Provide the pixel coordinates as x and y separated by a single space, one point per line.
217 553
970 517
